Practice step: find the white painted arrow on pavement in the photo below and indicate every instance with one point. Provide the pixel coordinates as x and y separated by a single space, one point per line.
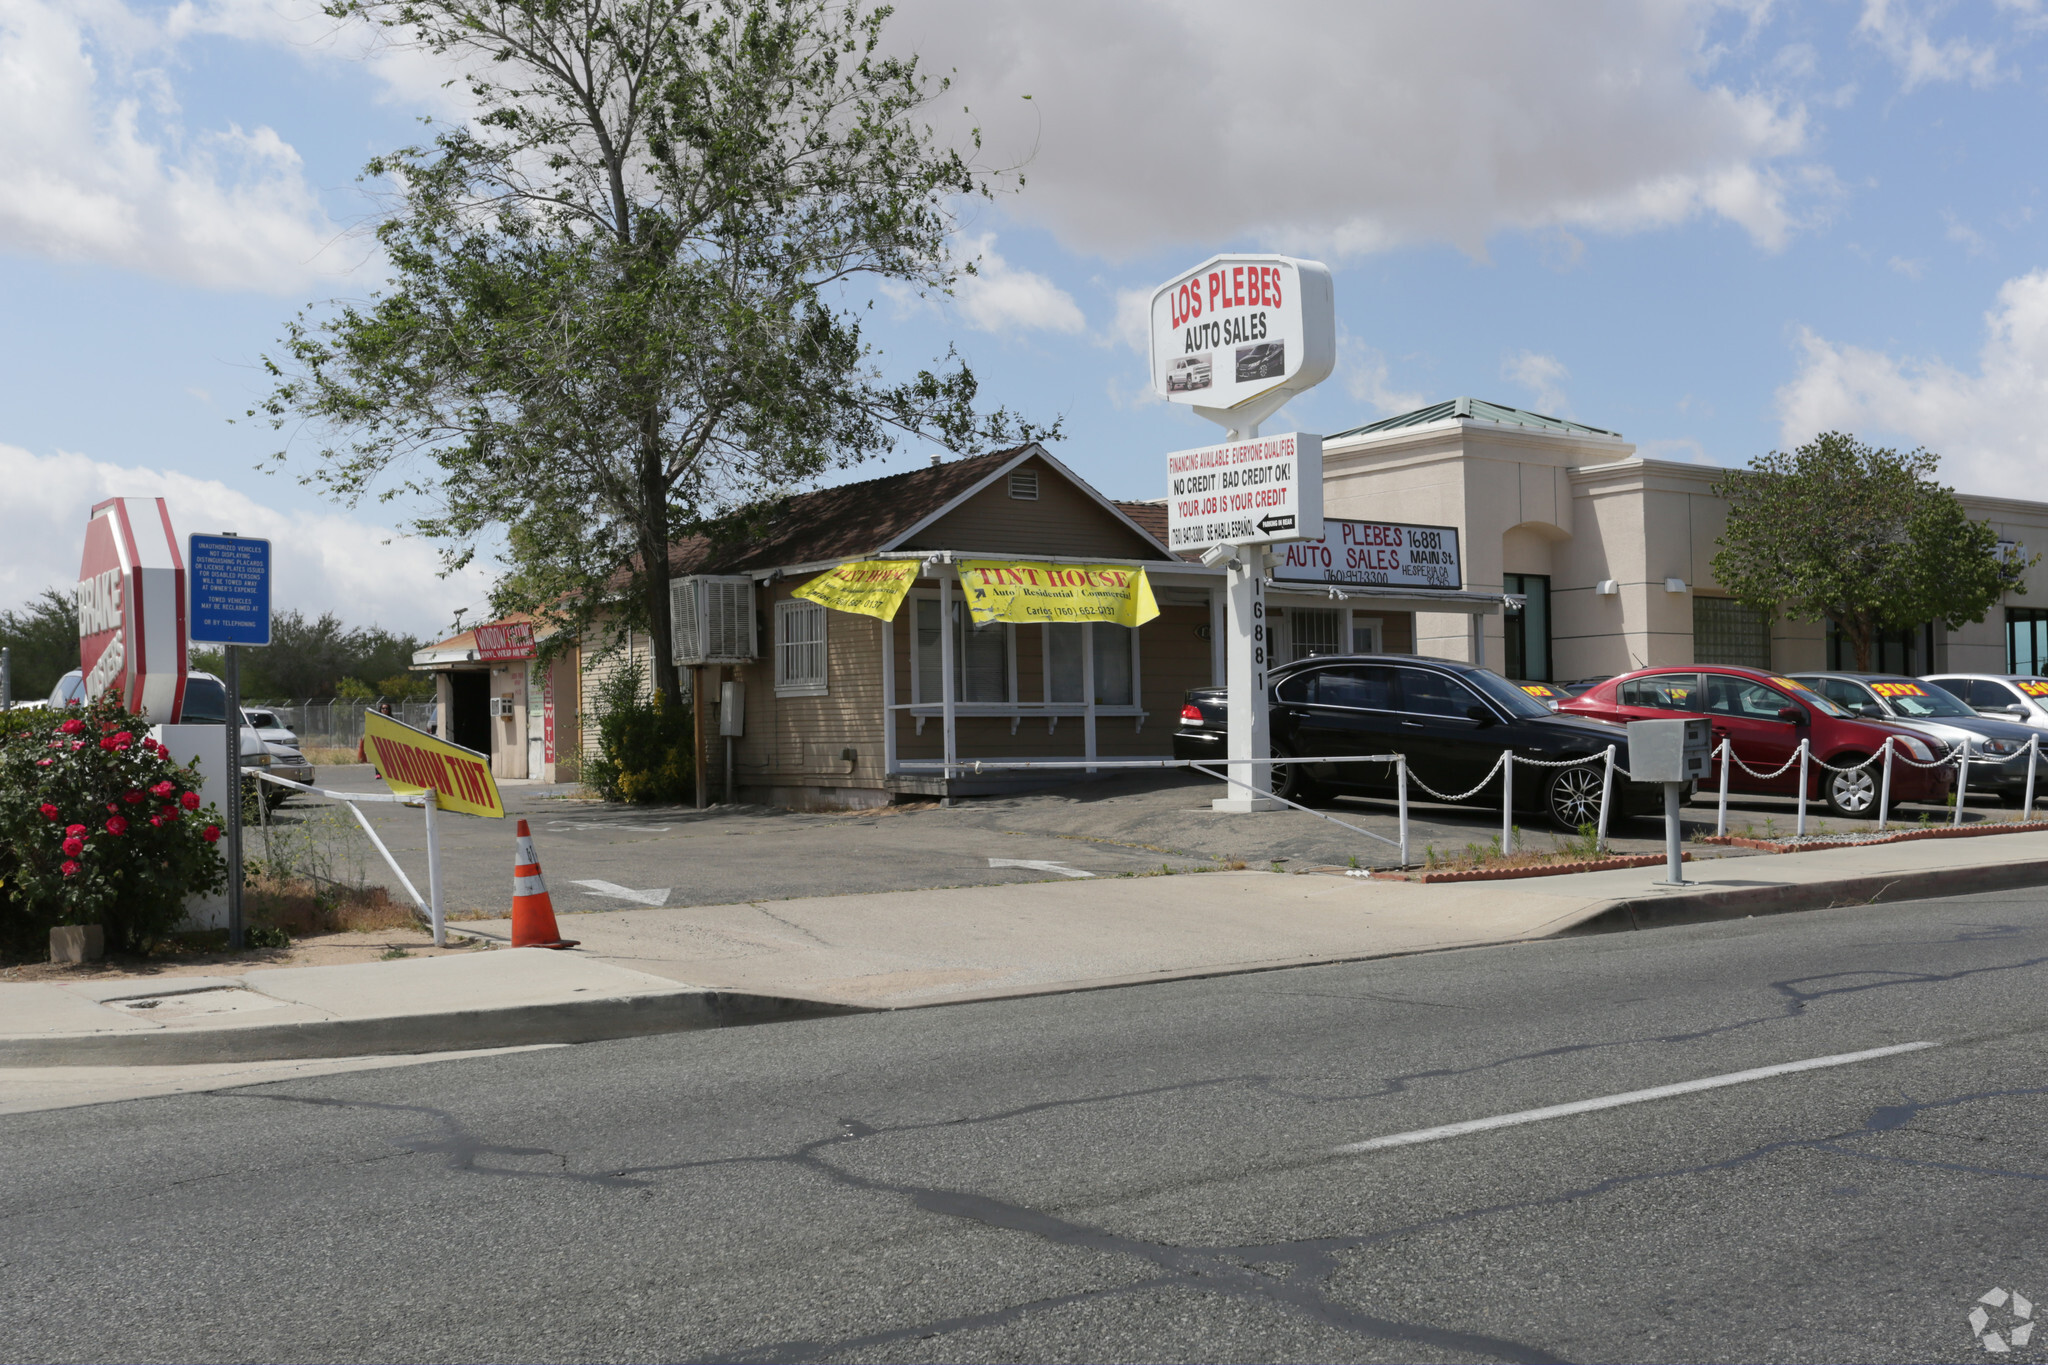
624 893
1039 865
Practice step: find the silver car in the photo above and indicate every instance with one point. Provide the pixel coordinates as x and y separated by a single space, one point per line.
2003 696
1997 747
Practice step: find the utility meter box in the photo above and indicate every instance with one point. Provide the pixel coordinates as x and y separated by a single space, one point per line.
732 709
1669 750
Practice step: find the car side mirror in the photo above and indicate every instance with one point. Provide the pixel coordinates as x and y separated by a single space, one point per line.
1795 714
1480 714
1869 708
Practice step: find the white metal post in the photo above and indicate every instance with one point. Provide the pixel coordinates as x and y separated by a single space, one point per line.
888 628
1507 802
1606 795
2033 759
1800 826
949 701
1088 691
435 909
1962 782
1721 819
1674 858
1250 740
1884 795
1401 801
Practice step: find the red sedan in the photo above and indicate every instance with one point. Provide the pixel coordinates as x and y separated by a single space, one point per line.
1764 716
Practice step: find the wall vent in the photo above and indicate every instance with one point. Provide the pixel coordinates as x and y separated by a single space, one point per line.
1024 485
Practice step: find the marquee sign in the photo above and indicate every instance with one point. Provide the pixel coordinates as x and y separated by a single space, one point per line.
132 633
504 641
1239 328
1380 553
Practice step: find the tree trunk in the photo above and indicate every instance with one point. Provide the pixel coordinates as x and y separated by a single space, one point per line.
654 555
1860 635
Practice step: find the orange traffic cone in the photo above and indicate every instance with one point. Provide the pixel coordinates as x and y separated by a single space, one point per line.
533 910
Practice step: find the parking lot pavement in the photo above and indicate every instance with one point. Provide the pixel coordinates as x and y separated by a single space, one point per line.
602 857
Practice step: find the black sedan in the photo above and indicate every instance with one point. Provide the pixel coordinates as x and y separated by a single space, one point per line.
1452 720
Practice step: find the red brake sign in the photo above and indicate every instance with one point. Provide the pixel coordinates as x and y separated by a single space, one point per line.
132 632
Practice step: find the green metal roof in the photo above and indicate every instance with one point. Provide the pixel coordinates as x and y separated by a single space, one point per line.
1477 410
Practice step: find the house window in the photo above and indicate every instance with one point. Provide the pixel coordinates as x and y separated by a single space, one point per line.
1312 632
1891 651
1527 632
1724 631
1115 650
1024 485
799 648
981 657
2026 640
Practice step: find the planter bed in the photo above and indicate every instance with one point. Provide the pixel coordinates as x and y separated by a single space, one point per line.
1798 843
1500 874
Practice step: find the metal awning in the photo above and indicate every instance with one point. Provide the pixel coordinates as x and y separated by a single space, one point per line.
1405 599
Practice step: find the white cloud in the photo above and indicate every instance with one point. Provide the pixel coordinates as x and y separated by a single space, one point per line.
1333 126
1001 298
1900 31
95 165
1368 379
1965 236
1683 449
324 561
1985 425
1911 267
1543 376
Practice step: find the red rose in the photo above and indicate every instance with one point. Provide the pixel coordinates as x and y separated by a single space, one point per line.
125 737
163 788
76 745
135 798
211 834
75 831
117 826
107 743
113 809
71 869
49 811
72 726
156 822
73 847
44 762
190 800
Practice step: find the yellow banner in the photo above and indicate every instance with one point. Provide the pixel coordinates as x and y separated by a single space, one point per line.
872 587
410 761
1026 591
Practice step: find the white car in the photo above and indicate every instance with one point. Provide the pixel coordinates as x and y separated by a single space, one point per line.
270 727
2001 696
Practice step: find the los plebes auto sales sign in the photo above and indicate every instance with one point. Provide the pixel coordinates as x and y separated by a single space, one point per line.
132 630
1238 327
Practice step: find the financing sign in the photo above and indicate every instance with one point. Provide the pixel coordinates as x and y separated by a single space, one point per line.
1378 553
1239 327
1245 492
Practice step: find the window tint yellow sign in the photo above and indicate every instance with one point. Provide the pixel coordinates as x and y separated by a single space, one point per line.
1025 591
871 587
411 761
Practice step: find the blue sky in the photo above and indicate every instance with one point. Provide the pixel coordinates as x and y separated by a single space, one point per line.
1714 228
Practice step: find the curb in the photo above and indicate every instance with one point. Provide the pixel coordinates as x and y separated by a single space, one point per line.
1658 912
574 1021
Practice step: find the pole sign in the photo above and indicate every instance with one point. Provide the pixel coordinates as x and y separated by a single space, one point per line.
132 636
1245 492
1238 329
411 761
1381 553
230 590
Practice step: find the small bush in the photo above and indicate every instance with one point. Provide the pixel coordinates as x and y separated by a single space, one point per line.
99 826
643 745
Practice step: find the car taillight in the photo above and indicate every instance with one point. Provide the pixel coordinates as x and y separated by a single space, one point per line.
1191 712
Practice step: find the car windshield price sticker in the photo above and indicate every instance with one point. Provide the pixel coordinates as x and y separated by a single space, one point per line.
1245 492
230 577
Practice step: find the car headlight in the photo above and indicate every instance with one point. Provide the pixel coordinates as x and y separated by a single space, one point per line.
1919 752
1998 748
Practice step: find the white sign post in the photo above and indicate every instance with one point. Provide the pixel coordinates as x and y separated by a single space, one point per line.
1234 339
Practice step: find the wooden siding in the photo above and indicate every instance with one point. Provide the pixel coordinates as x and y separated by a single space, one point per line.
1063 521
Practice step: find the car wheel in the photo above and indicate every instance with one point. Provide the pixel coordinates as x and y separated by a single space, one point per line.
1853 796
1573 799
1292 782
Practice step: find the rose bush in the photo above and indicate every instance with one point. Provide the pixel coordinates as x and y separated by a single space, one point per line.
98 826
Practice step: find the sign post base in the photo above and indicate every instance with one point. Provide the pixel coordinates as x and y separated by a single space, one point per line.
1245 805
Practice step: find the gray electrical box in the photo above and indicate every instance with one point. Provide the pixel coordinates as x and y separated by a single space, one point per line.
1669 750
732 709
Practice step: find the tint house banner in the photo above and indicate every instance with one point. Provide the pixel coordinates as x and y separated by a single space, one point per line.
1023 592
1376 553
870 587
410 761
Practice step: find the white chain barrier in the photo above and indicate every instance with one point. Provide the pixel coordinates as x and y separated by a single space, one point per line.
1887 752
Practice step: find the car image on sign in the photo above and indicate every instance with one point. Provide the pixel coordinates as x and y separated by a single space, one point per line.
1268 360
1189 373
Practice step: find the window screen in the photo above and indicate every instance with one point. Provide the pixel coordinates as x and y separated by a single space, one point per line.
1313 631
1724 631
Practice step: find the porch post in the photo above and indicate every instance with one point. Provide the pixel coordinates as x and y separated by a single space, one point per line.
947 692
888 631
1088 691
1478 648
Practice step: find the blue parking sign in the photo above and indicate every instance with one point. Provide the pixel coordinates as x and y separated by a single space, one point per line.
230 578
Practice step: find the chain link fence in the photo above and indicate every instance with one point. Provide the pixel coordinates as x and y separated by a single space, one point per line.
335 724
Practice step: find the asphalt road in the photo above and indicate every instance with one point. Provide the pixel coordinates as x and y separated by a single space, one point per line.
728 855
1146 1173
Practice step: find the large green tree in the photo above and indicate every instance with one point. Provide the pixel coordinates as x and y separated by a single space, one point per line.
310 656
625 296
1864 535
42 643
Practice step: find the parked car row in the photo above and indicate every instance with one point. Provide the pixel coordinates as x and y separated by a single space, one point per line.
1453 720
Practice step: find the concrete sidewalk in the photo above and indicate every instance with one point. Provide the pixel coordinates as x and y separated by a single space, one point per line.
660 970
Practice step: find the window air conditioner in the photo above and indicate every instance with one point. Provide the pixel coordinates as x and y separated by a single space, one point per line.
501 706
711 619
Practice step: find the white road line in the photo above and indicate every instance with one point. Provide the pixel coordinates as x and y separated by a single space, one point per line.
1655 1092
1039 865
656 896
